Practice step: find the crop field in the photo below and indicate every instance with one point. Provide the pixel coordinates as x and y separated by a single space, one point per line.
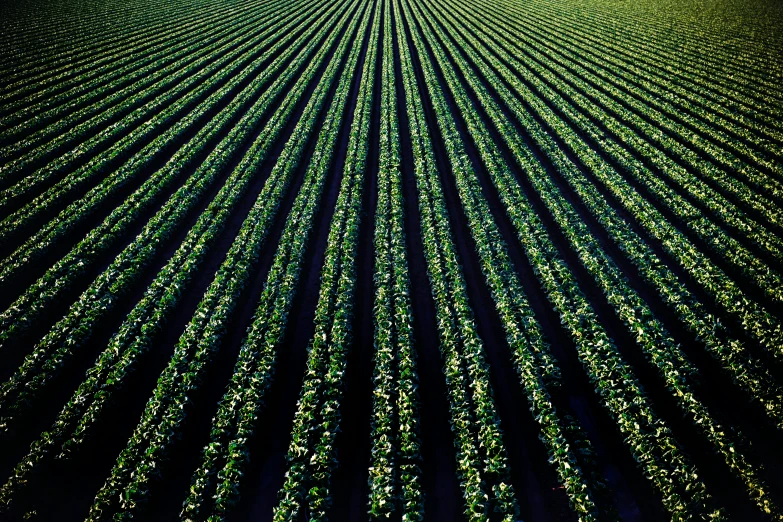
404 260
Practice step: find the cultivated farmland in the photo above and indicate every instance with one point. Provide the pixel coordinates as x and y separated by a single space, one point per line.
368 260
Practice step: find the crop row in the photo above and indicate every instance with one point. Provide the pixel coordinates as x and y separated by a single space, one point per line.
24 313
209 120
625 81
756 318
752 315
166 410
226 454
482 463
95 153
40 123
63 66
48 101
151 313
636 132
312 454
703 226
74 330
710 64
531 353
161 143
748 371
707 62
725 100
614 379
650 334
690 182
395 473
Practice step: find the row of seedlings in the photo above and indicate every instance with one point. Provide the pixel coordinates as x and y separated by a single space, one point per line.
312 455
701 224
650 440
149 317
75 329
632 88
650 334
48 100
162 420
531 353
237 120
482 463
80 167
207 133
48 57
697 132
707 64
752 315
747 371
100 105
394 473
705 180
215 484
729 102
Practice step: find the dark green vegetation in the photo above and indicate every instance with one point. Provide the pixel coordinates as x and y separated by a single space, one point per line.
391 260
